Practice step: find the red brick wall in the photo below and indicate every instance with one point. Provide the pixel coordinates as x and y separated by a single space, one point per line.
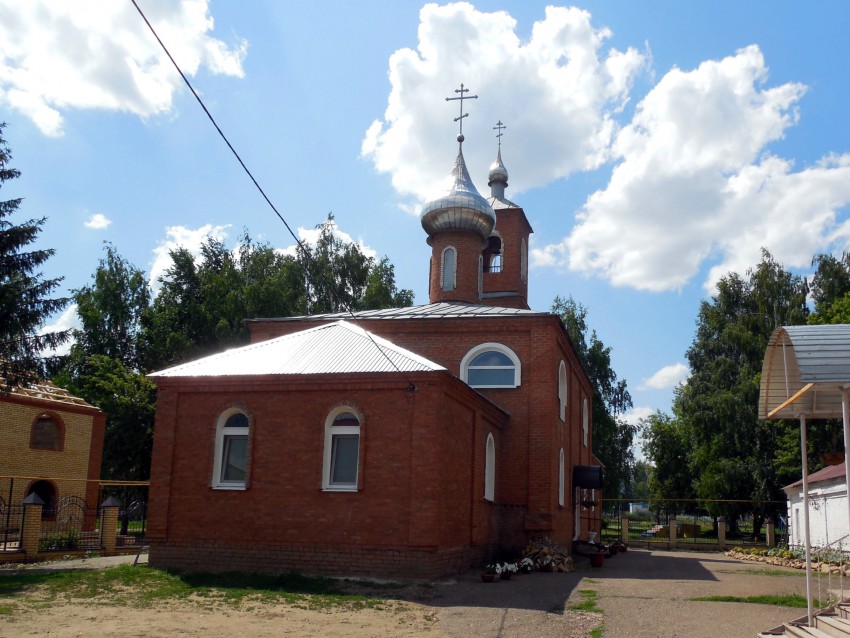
468 246
416 477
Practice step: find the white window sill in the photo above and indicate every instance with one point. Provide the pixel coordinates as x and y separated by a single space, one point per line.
339 488
238 488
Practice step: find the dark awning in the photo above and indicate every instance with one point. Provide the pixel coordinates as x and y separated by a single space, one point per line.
588 476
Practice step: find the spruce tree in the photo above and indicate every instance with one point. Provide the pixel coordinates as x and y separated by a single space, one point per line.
25 302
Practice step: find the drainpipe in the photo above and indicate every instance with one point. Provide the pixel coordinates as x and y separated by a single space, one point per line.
845 414
807 532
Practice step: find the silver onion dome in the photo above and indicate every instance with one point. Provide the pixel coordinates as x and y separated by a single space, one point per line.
498 172
461 208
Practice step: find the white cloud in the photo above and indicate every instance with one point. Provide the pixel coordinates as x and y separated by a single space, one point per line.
557 92
181 237
634 415
65 321
98 221
78 54
667 377
697 182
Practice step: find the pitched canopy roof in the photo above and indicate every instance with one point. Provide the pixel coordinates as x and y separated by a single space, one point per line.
332 348
804 371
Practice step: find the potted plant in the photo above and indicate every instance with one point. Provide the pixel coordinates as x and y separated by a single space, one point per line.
508 569
491 572
526 565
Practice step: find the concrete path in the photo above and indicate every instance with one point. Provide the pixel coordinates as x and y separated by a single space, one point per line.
648 594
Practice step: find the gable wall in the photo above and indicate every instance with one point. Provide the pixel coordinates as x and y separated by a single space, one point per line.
74 470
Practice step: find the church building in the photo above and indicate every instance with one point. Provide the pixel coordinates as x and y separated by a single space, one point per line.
405 442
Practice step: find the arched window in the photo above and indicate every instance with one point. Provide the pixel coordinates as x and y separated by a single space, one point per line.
230 470
562 390
490 469
48 433
491 365
585 422
523 266
561 478
342 450
448 273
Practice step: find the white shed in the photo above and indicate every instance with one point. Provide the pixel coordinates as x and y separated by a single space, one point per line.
828 525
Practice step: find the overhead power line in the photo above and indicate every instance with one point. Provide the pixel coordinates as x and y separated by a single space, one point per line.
301 248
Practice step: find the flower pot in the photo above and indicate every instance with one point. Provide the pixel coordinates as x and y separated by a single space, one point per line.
506 575
489 578
597 560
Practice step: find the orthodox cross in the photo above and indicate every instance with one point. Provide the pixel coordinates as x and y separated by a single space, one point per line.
461 97
499 127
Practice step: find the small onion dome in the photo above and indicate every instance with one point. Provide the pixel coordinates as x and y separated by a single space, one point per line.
461 208
498 172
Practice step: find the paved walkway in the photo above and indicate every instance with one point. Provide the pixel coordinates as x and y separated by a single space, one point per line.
648 594
642 593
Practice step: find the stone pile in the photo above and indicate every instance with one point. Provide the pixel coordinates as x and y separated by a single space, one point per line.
548 556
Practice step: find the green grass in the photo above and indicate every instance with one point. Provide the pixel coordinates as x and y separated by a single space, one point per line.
588 602
785 600
143 586
597 632
763 572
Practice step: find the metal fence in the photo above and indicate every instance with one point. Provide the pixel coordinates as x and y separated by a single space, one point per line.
649 525
71 525
11 526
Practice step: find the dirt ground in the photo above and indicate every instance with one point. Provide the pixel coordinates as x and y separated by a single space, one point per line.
641 593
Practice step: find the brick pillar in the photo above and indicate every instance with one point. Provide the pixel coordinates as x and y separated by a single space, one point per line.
721 532
32 526
771 533
624 530
672 523
109 524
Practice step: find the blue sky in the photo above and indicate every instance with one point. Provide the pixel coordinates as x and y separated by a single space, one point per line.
654 146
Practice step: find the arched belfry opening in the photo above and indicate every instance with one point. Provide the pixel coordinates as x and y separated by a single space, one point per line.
493 254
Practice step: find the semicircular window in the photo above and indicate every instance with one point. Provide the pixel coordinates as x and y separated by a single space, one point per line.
491 368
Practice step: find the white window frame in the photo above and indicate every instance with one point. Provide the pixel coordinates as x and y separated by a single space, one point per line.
486 347
490 469
561 478
450 285
332 431
585 422
563 395
218 468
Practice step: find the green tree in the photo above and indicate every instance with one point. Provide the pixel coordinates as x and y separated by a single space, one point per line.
666 446
639 489
110 310
129 400
732 450
338 276
25 295
202 305
103 365
612 436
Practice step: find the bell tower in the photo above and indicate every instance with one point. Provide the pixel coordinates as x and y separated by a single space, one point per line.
505 261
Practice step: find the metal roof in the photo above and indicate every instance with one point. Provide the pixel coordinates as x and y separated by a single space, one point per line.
429 311
829 473
338 347
804 371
